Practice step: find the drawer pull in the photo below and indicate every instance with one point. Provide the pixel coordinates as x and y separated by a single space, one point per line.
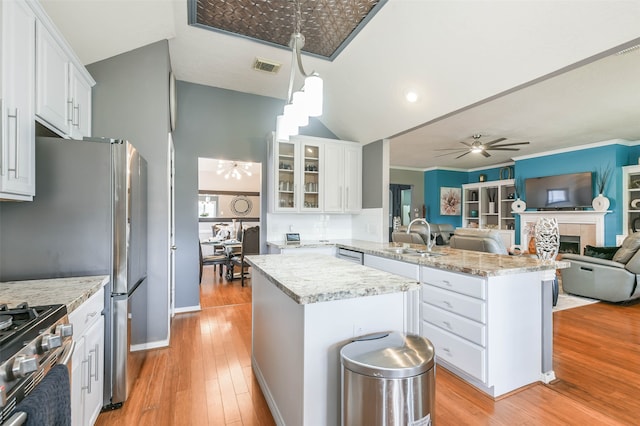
447 351
448 324
89 316
446 282
446 303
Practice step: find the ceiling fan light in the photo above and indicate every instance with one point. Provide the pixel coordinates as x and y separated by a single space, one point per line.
313 87
476 149
300 106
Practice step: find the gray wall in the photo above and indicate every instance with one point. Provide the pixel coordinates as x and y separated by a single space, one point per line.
372 175
131 101
216 123
414 178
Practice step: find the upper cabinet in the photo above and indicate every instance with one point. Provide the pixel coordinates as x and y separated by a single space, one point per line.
42 80
343 179
63 86
17 141
315 175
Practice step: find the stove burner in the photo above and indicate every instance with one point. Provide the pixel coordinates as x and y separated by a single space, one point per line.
5 321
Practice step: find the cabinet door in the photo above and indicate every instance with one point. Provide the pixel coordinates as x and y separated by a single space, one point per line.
79 376
81 101
94 352
52 82
311 184
334 171
286 176
17 166
353 179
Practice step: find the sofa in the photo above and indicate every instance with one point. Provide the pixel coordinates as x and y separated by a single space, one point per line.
610 278
485 240
440 232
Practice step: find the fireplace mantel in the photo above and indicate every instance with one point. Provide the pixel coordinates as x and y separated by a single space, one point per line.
577 217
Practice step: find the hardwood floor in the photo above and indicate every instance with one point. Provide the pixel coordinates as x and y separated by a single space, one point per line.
205 377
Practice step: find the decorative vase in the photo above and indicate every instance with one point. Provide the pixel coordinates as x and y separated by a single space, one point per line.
532 245
492 207
600 203
518 206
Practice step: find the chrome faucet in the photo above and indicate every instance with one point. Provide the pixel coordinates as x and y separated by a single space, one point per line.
430 242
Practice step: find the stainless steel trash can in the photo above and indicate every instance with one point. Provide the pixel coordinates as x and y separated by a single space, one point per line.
388 379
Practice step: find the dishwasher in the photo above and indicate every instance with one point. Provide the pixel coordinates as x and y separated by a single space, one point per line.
350 255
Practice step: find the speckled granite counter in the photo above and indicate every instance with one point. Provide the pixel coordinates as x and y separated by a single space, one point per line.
312 278
465 261
69 291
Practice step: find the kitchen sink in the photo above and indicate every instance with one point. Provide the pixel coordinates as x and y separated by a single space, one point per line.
426 254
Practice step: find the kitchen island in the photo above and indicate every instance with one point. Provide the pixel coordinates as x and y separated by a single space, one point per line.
305 308
488 315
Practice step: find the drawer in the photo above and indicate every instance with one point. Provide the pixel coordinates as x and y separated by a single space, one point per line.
453 302
87 313
397 267
460 326
460 283
466 356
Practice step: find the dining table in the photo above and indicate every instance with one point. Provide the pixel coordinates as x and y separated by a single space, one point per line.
228 247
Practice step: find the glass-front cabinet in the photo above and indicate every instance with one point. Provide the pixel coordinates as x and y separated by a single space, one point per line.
298 183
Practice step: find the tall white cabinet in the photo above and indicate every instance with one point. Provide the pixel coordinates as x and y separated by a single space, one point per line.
315 175
87 376
630 199
487 205
17 141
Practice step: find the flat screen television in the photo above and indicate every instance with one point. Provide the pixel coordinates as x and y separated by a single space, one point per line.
573 191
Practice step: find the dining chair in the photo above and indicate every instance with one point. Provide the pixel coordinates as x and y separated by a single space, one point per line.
214 259
250 245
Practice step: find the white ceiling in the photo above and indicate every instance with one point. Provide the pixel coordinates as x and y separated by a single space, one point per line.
453 53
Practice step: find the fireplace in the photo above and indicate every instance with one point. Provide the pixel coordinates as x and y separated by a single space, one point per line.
569 244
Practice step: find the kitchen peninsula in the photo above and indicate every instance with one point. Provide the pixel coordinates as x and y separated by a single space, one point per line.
489 316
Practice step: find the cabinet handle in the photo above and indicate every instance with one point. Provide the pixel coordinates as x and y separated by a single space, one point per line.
16 141
70 111
340 197
347 199
447 283
447 351
448 324
95 376
446 303
76 108
89 316
88 362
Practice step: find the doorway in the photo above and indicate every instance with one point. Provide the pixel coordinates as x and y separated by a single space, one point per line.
229 200
399 204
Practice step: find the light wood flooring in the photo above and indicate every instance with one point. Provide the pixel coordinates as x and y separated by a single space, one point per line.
205 376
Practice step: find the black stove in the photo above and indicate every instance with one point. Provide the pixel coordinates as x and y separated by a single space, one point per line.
32 340
22 324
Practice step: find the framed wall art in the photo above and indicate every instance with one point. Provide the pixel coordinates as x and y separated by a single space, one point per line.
450 199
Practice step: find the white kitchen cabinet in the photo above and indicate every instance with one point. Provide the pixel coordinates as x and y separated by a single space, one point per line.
87 376
343 177
63 86
485 329
17 141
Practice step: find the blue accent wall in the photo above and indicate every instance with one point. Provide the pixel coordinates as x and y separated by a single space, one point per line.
585 160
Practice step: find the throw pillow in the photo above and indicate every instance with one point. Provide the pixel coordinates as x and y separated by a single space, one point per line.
600 252
629 247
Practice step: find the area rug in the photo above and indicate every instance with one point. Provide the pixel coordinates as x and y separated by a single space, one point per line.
567 301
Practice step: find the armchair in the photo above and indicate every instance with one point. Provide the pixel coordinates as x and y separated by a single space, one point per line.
612 280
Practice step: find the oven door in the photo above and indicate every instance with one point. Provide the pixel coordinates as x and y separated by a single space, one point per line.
62 356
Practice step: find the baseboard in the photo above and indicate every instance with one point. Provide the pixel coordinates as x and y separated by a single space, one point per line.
151 345
273 407
187 309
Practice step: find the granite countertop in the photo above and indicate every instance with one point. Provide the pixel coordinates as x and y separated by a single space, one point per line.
313 278
69 291
454 260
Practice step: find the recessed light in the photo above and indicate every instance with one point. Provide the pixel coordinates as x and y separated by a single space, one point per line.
411 97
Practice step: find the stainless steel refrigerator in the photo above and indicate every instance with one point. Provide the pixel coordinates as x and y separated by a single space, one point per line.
89 217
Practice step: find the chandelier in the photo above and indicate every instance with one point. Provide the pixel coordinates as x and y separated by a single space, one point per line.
233 169
306 102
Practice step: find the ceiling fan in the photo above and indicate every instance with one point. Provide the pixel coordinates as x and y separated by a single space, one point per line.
478 147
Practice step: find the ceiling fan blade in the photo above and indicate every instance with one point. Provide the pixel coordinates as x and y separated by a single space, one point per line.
465 144
462 155
442 155
508 144
450 149
485 153
495 141
504 149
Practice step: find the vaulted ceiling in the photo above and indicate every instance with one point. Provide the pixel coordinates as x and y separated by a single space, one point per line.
543 72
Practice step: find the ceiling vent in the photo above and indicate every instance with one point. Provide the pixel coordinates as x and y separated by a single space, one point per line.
266 66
